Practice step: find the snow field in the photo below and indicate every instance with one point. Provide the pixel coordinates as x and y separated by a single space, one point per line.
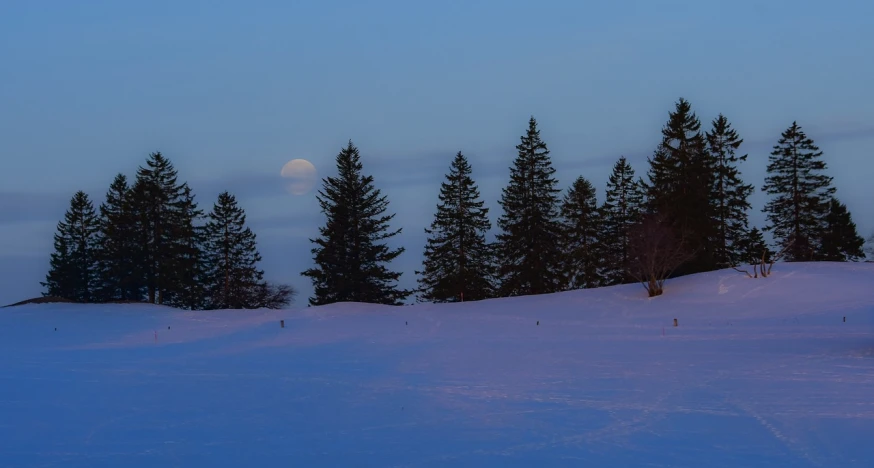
759 372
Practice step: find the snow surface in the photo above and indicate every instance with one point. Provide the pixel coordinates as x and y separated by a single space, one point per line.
760 372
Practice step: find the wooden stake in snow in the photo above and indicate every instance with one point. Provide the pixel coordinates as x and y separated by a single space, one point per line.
675 323
538 322
845 319
282 324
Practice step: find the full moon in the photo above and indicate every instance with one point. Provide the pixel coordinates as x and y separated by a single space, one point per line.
301 176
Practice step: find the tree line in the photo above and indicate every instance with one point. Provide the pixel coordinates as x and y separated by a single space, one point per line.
149 242
689 215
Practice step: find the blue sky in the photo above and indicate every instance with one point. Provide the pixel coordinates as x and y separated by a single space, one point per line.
231 90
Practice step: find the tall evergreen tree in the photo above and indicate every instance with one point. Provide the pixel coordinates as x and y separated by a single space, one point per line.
117 269
351 254
137 203
529 249
728 195
621 211
458 263
869 248
583 254
73 266
680 178
157 199
231 276
801 193
660 190
840 241
186 290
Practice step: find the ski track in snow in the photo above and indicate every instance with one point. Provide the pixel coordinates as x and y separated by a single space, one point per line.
760 372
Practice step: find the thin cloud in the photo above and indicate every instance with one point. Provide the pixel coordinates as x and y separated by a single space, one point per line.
819 134
252 185
17 207
305 220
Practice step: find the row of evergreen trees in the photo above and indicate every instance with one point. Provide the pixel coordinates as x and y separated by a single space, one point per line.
549 242
149 241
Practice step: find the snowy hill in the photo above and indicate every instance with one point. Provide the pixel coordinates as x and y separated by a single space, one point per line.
759 372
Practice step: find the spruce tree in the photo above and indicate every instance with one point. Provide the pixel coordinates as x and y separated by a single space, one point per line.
73 265
186 290
351 256
753 248
621 211
458 263
117 269
680 178
529 249
582 251
801 193
141 247
869 248
157 199
661 188
728 195
60 280
231 276
839 241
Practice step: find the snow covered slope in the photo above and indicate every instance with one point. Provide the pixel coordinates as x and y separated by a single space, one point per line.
759 372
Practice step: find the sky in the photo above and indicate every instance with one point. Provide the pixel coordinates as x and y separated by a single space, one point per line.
230 91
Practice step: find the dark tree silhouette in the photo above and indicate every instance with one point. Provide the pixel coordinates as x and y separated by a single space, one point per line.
528 246
800 194
351 254
458 264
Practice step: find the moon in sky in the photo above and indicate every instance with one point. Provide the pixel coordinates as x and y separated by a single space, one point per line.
301 176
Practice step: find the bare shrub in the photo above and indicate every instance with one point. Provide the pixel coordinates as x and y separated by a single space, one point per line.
763 266
273 296
654 253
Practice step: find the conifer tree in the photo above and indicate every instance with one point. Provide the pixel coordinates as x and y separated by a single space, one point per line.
117 269
73 265
156 199
620 212
186 290
840 242
869 248
680 178
801 193
137 204
728 195
458 263
583 254
529 250
231 276
660 190
351 253
753 248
